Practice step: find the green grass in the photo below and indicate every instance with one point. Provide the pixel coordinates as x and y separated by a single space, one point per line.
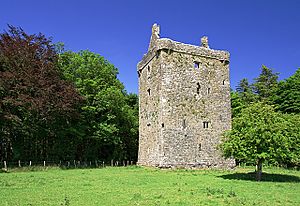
146 186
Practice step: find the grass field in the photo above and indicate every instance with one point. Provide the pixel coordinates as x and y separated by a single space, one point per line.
146 186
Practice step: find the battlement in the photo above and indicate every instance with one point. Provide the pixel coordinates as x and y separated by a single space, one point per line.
157 44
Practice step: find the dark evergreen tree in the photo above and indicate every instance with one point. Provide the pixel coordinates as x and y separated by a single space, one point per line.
266 84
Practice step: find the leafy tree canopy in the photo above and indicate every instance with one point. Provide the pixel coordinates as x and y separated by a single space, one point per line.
258 134
109 113
287 96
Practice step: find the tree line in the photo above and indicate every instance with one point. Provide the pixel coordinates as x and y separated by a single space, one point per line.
62 105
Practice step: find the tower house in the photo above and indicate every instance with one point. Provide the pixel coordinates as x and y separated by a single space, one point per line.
184 104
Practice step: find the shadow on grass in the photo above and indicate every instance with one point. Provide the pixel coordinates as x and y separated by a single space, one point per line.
266 177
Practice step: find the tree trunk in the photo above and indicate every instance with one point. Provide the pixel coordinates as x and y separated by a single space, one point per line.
259 169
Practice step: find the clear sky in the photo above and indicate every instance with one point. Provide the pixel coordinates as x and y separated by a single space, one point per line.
255 32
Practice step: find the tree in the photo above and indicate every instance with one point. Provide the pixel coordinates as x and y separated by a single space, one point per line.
287 96
242 97
244 86
258 134
245 91
237 104
35 102
292 132
265 84
108 114
130 126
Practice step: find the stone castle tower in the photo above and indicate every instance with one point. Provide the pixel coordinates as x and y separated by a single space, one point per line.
184 101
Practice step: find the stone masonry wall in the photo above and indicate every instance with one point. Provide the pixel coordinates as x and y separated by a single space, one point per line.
184 95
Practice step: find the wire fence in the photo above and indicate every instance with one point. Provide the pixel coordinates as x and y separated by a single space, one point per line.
5 165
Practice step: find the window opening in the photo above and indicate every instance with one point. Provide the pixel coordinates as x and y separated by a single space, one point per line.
196 65
205 124
208 91
148 68
162 125
198 88
223 82
199 147
184 124
149 91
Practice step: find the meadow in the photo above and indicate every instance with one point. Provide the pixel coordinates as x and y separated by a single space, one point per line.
148 186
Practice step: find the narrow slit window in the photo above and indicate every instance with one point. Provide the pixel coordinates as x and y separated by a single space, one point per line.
139 74
208 91
196 65
199 147
223 82
184 124
149 91
148 72
198 88
162 125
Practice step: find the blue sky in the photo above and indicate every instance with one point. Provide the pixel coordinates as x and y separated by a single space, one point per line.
255 32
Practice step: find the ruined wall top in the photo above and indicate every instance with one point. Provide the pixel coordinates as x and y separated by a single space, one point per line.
154 36
204 42
157 43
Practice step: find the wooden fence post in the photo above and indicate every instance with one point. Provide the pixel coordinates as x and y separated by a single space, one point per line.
44 163
74 163
112 163
68 164
5 166
30 163
127 163
19 163
102 163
